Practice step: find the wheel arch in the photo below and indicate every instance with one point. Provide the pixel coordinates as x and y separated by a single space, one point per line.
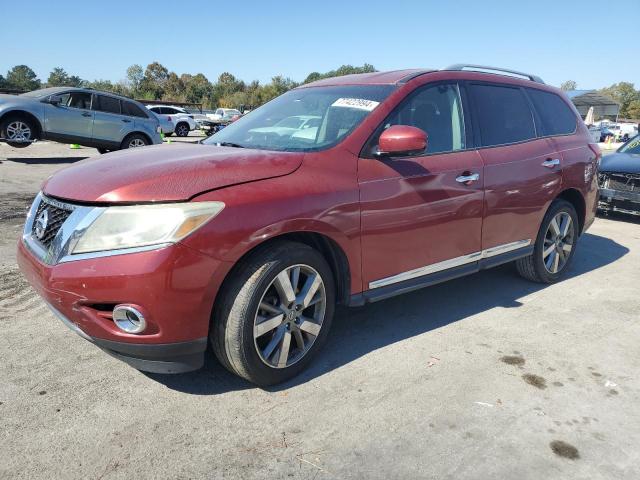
575 198
26 115
136 132
332 252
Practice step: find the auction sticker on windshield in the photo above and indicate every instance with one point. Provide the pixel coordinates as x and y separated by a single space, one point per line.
357 103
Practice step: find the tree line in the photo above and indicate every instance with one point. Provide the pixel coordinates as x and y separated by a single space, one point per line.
156 82
624 93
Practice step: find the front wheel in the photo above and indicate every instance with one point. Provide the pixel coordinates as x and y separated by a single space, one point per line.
555 245
274 313
18 132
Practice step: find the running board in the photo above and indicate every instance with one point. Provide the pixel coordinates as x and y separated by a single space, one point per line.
426 280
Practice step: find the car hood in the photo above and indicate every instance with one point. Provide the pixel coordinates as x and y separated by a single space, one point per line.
165 173
16 99
621 163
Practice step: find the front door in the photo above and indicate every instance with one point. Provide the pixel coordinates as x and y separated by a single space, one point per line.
71 119
421 214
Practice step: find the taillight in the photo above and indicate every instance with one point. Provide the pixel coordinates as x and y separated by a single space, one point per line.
596 151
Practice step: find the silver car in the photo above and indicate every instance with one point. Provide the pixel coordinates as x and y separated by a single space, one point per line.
77 115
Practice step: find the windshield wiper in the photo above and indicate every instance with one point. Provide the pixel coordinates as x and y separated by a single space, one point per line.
229 144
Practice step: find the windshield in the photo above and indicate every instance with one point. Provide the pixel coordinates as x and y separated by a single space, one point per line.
337 111
632 146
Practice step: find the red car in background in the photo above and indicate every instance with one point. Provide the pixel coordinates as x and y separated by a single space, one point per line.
249 240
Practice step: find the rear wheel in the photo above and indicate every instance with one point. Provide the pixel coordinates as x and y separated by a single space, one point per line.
182 129
274 314
555 245
19 132
103 150
135 140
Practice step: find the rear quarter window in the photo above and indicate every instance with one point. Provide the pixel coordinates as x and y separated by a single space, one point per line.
555 115
107 104
132 110
503 114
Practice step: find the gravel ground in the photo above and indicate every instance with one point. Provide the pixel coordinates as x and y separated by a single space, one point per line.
483 377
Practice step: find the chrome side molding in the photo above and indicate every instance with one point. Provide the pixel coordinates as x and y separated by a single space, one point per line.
451 263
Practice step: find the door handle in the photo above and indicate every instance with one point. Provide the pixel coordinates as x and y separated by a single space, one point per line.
474 177
86 114
126 120
550 163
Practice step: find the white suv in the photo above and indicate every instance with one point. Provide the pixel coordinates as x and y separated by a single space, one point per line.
182 120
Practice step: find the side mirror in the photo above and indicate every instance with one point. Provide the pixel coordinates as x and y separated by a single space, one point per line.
402 140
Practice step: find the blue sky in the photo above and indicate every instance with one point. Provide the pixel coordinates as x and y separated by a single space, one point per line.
558 40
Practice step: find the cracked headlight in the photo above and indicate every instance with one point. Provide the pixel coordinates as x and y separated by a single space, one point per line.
144 225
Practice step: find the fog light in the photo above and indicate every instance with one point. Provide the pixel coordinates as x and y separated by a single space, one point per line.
129 319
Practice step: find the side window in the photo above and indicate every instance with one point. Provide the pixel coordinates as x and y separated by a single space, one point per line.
155 109
80 100
503 114
435 109
132 110
556 116
170 111
107 104
64 98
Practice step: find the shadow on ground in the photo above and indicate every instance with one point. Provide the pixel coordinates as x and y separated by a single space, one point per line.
44 160
356 332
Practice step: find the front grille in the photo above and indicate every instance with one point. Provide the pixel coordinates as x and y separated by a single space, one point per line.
627 182
56 215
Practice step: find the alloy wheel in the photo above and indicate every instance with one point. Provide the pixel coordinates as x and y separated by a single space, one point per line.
183 131
18 131
136 142
289 316
558 242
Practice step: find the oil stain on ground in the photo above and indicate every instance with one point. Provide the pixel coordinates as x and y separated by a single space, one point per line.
535 380
513 360
564 449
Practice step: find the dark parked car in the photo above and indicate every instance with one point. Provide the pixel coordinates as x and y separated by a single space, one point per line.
619 179
76 115
248 241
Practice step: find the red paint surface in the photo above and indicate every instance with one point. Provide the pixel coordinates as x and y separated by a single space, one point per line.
402 138
387 216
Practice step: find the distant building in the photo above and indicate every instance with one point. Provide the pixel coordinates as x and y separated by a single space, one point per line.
603 106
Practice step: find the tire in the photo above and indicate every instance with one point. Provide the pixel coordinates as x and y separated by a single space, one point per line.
18 128
103 150
134 140
257 355
542 268
168 134
182 129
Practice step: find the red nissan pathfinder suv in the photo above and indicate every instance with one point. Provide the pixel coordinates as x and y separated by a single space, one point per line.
347 190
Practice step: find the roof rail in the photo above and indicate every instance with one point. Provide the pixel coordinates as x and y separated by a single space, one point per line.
486 69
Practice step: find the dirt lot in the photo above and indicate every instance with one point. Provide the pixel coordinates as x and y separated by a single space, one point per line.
486 377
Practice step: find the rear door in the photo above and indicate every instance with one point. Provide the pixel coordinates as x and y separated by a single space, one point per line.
522 173
419 216
109 125
72 119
